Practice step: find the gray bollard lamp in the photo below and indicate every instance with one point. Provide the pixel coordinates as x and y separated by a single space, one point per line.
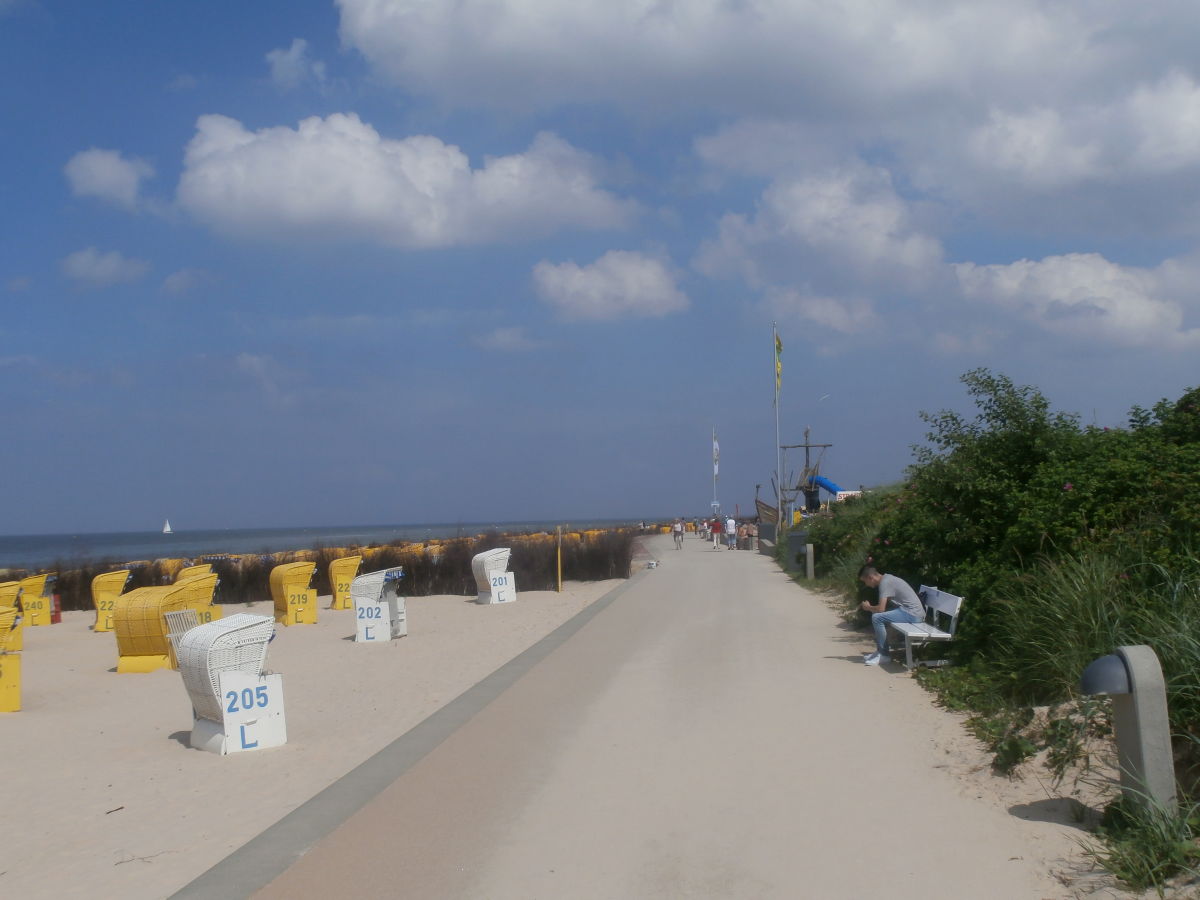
1133 678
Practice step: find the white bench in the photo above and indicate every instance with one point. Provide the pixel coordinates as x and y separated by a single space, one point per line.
941 620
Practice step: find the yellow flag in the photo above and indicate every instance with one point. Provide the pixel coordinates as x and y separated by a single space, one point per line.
778 362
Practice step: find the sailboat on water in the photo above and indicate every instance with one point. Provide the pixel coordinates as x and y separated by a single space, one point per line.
167 527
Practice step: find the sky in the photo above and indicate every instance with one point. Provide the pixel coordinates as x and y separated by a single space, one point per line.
411 261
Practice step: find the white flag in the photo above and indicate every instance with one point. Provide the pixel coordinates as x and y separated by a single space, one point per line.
716 455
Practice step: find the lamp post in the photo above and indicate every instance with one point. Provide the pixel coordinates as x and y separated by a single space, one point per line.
1133 678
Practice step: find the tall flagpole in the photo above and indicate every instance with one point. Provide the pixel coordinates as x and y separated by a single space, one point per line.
778 348
716 464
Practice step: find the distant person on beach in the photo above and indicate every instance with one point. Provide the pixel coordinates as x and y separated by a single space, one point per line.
731 533
677 533
715 529
908 608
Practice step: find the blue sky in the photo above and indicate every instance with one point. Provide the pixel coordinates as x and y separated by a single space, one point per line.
376 261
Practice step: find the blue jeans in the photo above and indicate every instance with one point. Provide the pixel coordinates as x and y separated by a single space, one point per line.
879 623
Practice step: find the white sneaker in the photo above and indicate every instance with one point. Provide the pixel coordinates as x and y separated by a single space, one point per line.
876 658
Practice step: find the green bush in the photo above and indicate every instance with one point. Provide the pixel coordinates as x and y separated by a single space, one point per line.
1146 847
1065 542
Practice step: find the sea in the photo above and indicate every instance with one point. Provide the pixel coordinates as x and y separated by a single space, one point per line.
36 551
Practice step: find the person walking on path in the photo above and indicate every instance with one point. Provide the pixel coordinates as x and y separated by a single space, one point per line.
716 528
677 533
908 608
731 533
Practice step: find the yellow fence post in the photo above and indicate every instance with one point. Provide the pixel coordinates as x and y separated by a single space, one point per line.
341 574
10 682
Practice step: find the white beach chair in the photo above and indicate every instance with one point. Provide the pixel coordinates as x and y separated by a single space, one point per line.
179 623
236 643
486 567
376 598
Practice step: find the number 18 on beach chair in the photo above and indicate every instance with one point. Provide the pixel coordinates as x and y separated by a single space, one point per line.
941 620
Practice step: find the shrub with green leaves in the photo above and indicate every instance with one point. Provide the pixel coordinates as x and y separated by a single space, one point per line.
1066 542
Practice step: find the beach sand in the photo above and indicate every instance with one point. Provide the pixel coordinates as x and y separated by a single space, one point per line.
103 797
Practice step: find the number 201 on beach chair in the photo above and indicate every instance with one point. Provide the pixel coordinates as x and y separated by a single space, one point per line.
941 620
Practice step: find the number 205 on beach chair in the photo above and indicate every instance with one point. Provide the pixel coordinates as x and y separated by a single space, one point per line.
236 707
941 620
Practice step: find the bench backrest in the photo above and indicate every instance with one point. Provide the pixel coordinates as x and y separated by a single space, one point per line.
941 603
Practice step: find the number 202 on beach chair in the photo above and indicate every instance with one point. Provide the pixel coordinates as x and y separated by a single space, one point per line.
941 621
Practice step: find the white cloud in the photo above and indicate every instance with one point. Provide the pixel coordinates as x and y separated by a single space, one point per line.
844 316
91 267
264 371
337 177
1084 296
183 82
511 339
184 280
20 283
996 107
729 56
108 175
770 147
844 226
620 283
1152 129
1036 147
292 67
1164 120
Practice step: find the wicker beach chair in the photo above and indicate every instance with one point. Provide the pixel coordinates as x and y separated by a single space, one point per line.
236 643
8 626
380 591
179 623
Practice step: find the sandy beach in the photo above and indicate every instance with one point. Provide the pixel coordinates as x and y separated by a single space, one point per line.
103 797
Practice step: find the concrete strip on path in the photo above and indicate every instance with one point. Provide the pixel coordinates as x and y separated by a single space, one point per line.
270 853
709 733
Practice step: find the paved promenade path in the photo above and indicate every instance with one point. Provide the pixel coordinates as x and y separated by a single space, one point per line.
710 732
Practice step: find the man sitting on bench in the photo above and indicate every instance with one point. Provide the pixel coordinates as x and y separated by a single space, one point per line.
908 608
